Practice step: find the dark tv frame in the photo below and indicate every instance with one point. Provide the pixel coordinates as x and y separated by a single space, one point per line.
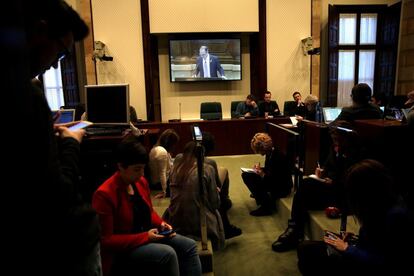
204 36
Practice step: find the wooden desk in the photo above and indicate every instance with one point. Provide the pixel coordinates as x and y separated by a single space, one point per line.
389 142
287 141
232 136
315 145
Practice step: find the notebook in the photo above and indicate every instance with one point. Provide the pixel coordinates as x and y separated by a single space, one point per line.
331 113
66 115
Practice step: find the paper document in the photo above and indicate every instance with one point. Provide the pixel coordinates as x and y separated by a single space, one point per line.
294 120
248 170
316 178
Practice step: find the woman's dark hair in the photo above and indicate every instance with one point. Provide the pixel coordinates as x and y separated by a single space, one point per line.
60 17
370 191
186 162
168 139
130 152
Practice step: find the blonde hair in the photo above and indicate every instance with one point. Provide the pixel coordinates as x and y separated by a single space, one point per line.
311 99
261 142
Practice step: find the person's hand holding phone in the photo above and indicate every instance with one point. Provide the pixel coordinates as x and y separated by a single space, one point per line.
65 132
335 241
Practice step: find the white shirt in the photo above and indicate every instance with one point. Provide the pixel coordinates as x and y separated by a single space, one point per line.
206 66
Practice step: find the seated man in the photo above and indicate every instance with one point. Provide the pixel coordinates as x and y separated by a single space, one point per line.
268 107
297 107
247 108
312 111
361 108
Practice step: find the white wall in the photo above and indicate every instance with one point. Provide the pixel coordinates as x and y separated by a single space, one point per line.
191 16
288 70
118 25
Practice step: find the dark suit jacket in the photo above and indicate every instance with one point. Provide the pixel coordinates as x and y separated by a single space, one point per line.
215 67
268 107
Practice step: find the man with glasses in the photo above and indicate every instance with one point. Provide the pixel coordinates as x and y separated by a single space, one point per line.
56 233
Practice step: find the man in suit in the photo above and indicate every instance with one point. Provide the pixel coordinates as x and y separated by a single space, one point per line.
207 66
296 107
268 107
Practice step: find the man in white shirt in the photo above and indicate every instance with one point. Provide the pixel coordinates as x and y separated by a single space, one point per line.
208 66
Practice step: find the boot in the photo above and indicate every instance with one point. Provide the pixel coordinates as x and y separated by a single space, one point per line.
289 239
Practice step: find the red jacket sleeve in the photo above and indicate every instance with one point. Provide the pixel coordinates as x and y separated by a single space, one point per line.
118 242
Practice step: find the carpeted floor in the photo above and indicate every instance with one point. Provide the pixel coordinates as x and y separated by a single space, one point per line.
249 254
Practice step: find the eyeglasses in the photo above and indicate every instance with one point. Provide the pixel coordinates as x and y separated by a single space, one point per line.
65 52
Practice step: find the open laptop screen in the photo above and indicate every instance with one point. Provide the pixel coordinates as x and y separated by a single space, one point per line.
330 113
66 115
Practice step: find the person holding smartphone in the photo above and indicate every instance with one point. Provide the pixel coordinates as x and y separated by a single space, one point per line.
384 246
135 240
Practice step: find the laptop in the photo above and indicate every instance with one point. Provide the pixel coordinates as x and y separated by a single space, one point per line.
66 115
330 113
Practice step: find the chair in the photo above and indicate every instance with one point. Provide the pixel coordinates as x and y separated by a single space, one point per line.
211 111
233 108
289 108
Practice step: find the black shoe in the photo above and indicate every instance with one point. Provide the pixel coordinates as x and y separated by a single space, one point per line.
261 211
287 241
232 231
226 204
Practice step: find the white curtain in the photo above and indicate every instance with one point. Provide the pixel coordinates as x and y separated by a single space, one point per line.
366 67
52 81
368 32
347 29
346 72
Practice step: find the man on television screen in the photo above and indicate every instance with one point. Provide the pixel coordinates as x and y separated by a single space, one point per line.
207 66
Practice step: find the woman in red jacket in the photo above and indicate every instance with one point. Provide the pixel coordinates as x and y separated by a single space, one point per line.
131 242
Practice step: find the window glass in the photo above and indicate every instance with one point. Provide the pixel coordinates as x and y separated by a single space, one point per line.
368 32
347 29
52 81
366 67
346 72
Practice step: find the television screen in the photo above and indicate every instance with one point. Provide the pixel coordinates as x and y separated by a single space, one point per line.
205 59
107 104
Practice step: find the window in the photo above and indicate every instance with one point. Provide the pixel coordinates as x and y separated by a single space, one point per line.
52 82
351 53
363 43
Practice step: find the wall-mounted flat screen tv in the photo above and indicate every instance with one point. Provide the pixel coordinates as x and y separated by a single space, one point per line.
205 60
107 103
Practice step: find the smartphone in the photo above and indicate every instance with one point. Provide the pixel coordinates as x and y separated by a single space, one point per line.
331 235
81 124
166 232
197 134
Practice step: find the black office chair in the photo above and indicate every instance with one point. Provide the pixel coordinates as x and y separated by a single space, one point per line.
289 108
233 108
211 111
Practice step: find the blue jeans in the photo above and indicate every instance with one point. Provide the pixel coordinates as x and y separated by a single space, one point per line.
170 256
